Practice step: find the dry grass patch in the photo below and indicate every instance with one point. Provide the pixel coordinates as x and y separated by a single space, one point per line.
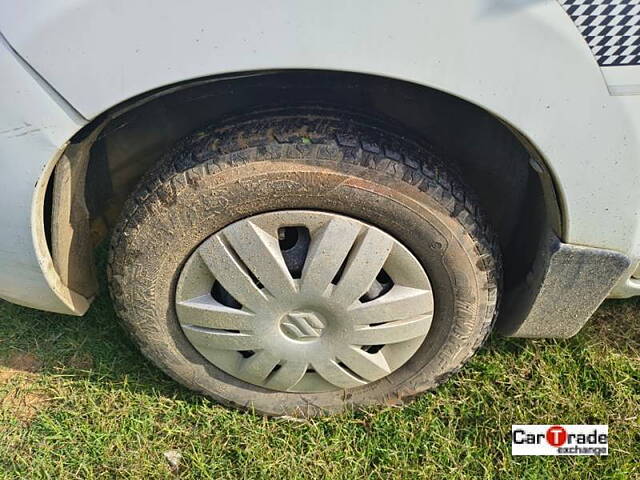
20 397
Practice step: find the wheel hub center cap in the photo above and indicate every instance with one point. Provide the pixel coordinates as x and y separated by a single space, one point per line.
304 301
302 325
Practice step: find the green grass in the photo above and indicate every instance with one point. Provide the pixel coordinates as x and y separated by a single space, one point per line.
78 401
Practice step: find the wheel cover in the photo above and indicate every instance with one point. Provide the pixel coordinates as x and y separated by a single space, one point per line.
349 306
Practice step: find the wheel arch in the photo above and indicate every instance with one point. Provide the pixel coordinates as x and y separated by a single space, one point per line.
110 154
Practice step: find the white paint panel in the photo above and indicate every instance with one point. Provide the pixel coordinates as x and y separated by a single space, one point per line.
33 126
623 80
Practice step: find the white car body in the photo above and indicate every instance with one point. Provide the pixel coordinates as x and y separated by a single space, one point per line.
65 62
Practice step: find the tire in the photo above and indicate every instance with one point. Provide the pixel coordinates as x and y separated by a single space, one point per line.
304 162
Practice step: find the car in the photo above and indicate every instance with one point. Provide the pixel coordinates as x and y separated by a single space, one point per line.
312 207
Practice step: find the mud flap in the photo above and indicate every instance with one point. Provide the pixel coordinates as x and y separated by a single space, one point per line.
574 283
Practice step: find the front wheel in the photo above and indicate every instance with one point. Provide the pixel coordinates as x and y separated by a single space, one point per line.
300 265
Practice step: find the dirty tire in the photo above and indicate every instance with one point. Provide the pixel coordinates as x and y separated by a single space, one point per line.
304 161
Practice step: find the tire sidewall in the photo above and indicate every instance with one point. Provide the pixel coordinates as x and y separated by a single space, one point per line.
179 215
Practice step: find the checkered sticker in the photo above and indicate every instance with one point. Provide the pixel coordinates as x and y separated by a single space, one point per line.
610 27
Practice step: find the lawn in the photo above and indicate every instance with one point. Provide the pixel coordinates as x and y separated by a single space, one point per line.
78 401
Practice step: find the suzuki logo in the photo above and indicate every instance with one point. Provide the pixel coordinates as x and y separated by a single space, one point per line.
302 325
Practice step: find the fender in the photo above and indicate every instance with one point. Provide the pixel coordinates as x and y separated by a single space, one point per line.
525 61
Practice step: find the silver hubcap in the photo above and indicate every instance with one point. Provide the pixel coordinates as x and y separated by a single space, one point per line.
304 301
